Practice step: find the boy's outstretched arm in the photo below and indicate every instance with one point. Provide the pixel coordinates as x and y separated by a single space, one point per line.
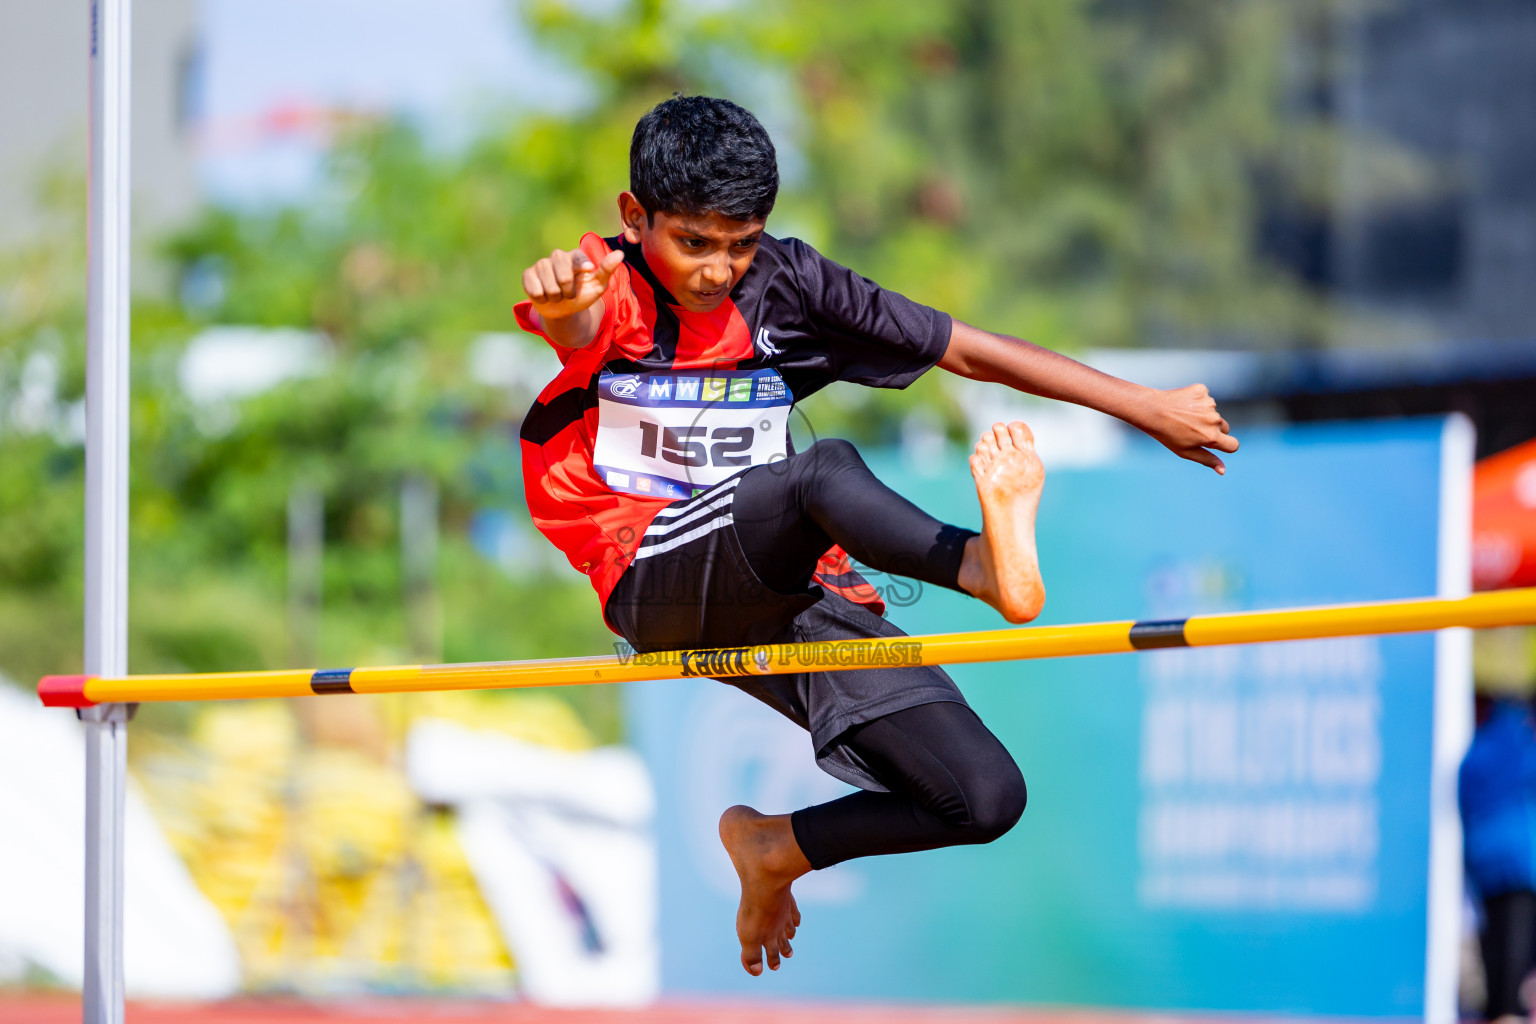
567 293
1185 419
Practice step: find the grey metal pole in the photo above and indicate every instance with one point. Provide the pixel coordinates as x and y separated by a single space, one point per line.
106 503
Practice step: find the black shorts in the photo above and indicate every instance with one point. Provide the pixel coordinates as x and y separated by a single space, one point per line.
690 586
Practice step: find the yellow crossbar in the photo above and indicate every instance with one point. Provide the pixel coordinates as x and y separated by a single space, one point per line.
1497 608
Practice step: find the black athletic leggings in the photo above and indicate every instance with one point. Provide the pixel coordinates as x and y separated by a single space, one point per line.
789 513
1509 949
951 781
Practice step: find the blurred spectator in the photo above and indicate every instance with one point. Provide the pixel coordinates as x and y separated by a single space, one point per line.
1497 794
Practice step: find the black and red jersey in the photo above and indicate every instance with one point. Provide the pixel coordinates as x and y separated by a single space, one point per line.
794 312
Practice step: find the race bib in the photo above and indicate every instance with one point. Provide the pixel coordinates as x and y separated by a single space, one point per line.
672 435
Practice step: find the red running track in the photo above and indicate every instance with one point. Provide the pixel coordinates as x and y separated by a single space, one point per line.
46 1009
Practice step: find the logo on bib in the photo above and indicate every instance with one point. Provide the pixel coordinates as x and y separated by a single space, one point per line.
669 436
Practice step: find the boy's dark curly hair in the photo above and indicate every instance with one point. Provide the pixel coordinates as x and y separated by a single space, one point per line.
696 154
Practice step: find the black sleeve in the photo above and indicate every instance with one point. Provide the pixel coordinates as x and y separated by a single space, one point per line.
874 336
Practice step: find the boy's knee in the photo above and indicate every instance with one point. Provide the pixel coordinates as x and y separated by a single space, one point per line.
996 804
834 452
820 471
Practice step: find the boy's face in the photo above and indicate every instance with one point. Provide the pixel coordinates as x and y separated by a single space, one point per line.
698 258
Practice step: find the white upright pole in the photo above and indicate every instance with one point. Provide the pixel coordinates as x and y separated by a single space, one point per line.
106 503
1452 727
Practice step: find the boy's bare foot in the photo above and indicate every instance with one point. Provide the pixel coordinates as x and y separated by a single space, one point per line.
767 860
1001 566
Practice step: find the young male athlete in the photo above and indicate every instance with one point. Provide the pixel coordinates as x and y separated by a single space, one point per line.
659 462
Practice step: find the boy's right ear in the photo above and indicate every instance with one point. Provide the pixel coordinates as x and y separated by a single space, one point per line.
633 216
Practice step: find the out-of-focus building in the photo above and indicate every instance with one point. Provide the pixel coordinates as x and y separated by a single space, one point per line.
1428 242
238 101
43 108
1430 231
1454 81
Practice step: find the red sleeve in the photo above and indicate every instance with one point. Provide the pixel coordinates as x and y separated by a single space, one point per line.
622 322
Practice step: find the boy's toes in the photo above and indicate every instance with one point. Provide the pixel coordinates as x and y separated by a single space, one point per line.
1022 436
1000 436
752 960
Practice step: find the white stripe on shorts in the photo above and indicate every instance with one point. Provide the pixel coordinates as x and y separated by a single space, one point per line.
683 538
690 515
700 498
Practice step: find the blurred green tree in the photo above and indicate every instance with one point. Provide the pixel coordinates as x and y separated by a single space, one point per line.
42 383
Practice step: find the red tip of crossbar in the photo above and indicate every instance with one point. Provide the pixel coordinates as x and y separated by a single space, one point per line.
64 692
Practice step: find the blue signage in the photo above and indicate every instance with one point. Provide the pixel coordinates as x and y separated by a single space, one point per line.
1234 829
695 389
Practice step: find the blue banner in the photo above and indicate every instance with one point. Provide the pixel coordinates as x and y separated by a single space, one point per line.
1238 829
